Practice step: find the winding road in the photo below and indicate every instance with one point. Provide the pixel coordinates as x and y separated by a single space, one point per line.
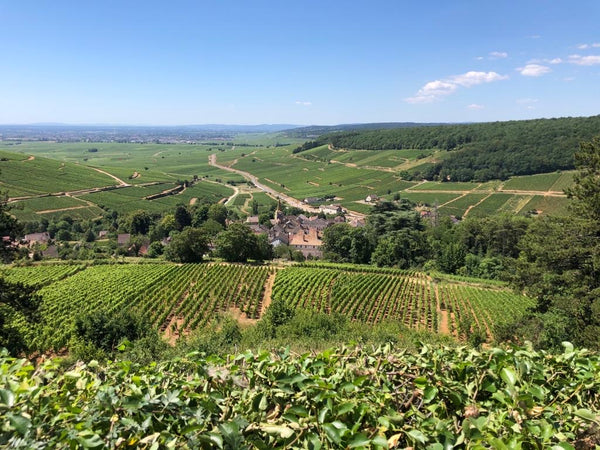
212 160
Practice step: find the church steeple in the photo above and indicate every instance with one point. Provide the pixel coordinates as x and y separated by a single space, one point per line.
278 213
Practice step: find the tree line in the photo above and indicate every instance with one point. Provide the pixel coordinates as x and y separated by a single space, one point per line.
478 151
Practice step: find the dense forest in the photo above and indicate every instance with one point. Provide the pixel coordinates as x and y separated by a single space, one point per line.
481 151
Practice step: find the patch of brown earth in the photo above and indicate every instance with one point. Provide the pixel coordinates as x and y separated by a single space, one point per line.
267 295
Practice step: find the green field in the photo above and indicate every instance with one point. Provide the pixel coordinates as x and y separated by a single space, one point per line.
461 204
429 198
548 205
357 174
446 186
540 182
43 176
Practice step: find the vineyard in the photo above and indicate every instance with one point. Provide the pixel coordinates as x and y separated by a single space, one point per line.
373 295
171 296
435 398
178 299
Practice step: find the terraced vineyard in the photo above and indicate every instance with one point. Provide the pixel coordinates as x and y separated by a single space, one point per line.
185 295
409 297
178 298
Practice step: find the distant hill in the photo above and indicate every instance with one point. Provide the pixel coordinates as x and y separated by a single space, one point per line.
313 131
132 133
478 151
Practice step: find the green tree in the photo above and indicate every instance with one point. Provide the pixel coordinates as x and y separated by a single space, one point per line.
237 244
10 227
560 264
218 213
402 248
337 242
182 217
189 246
139 222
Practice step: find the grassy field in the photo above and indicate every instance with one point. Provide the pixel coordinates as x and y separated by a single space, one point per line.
461 204
548 205
541 182
34 176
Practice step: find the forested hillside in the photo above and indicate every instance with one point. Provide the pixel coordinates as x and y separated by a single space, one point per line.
481 151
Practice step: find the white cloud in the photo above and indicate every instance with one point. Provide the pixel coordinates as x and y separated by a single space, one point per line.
554 61
589 60
534 36
472 78
569 79
438 89
498 55
586 46
533 70
479 58
475 106
303 103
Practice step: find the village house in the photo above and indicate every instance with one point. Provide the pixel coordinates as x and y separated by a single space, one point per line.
307 242
331 209
372 198
37 238
311 200
123 239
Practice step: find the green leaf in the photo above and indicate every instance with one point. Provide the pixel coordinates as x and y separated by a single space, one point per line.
420 382
568 347
359 440
508 376
20 423
379 442
90 440
323 414
563 446
7 397
430 393
333 433
418 436
587 415
281 430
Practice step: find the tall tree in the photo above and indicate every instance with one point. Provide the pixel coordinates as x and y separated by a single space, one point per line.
189 246
10 229
238 244
560 264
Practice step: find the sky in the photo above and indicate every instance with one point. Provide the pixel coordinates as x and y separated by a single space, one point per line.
297 62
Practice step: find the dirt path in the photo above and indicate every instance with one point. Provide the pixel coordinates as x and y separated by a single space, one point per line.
212 160
268 291
48 211
476 204
236 192
114 177
31 158
443 327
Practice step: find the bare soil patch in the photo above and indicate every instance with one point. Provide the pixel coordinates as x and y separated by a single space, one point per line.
267 295
241 317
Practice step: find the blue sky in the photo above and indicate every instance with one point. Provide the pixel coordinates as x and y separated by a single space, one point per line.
303 62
